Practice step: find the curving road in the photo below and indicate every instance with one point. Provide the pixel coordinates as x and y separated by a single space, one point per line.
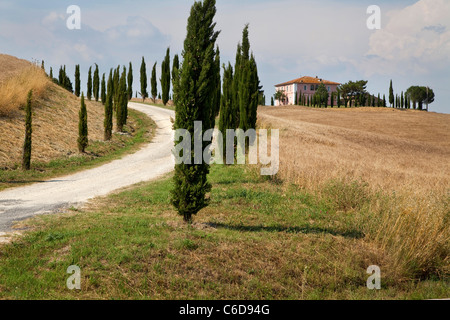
152 161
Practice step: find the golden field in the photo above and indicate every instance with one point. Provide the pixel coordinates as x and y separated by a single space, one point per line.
388 168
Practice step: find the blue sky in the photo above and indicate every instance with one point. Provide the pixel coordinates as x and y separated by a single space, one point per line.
289 38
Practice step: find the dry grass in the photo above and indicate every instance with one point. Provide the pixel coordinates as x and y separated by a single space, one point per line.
390 163
13 91
55 114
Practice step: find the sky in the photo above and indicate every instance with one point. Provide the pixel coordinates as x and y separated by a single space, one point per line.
289 38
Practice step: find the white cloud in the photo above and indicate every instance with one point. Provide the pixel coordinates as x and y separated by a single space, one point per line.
415 39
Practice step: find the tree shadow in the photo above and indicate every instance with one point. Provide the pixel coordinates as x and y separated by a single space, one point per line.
354 234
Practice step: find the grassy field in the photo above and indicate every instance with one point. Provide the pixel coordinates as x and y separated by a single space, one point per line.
259 239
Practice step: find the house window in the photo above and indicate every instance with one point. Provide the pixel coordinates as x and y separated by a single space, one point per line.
305 88
328 89
317 86
312 87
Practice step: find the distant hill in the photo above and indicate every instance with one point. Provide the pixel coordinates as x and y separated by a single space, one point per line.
55 114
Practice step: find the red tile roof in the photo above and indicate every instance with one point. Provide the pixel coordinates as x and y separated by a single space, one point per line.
307 80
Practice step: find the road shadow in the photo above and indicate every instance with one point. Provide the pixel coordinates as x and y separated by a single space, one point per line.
353 234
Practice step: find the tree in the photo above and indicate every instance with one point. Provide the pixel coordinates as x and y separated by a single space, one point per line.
391 95
82 127
96 85
77 80
165 77
108 123
175 78
144 93
116 84
280 95
121 114
338 98
332 99
420 95
51 73
130 81
103 90
402 101
26 157
321 95
195 91
154 84
384 101
352 91
226 120
271 101
89 84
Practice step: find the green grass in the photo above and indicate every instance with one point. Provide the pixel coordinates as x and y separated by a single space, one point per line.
258 239
97 153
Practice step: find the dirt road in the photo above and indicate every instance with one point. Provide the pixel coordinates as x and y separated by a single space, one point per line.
152 161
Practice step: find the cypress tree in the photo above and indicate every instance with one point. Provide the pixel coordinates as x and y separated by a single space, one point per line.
108 123
384 101
175 68
103 90
271 101
196 90
218 94
144 92
123 101
26 157
96 83
338 98
332 99
77 80
226 120
391 95
89 84
130 82
51 73
379 101
154 84
402 101
236 80
165 77
116 81
82 127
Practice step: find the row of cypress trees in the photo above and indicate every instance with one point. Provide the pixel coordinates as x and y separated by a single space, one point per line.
240 90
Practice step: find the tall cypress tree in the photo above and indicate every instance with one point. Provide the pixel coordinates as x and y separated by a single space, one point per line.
154 84
144 93
116 81
96 85
108 123
130 81
236 83
82 127
121 114
26 157
89 84
103 90
77 80
165 77
226 120
175 77
391 95
195 91
384 101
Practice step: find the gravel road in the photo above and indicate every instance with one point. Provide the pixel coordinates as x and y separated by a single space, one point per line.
151 162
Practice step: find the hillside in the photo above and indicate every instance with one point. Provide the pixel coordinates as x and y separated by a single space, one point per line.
55 114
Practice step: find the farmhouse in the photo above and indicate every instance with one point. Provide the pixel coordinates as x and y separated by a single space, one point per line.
306 86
